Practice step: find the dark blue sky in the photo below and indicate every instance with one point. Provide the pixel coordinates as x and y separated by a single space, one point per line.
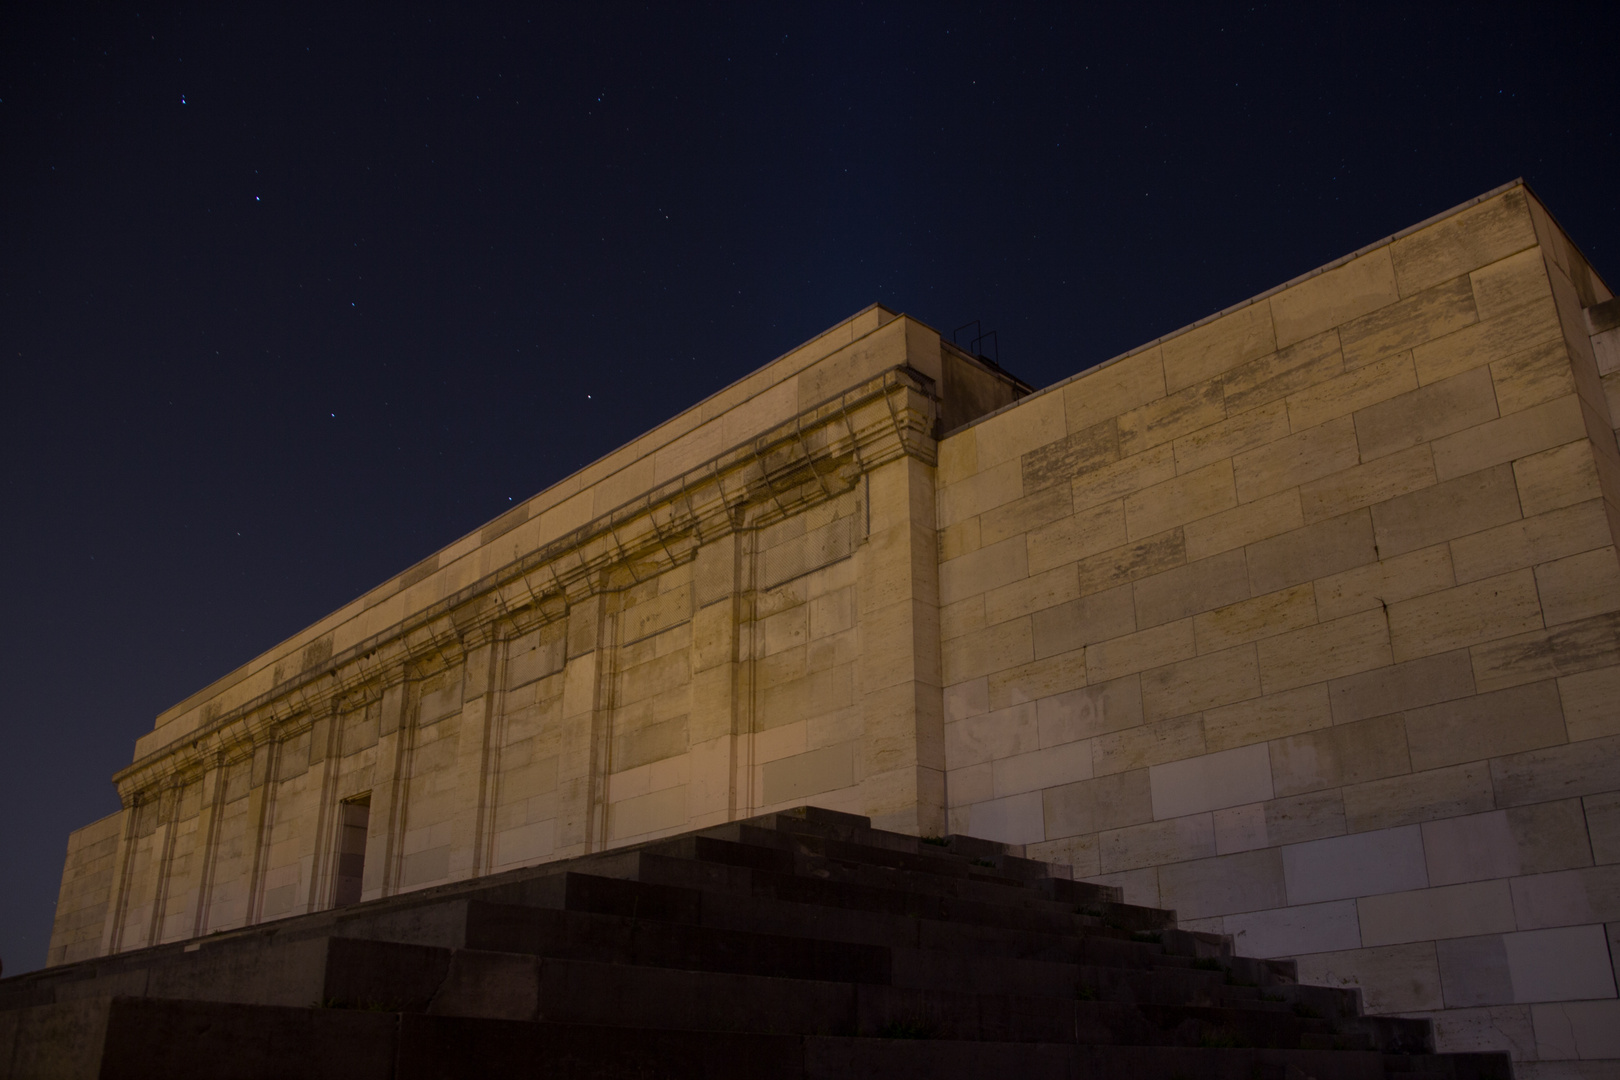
287 302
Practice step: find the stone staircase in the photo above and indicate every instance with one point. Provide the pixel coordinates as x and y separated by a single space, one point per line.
798 944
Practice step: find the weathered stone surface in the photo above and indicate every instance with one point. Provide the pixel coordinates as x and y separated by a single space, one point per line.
1334 567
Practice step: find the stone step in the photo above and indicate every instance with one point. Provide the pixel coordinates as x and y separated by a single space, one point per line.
519 987
266 971
803 943
445 923
945 855
125 1039
863 892
813 856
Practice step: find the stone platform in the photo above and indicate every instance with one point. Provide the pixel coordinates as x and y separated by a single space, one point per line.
799 944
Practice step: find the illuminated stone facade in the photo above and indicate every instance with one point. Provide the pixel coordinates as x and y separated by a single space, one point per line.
1303 621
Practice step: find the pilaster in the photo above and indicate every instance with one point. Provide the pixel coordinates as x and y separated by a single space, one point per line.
902 764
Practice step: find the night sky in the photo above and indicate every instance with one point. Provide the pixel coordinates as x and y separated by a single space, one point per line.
288 302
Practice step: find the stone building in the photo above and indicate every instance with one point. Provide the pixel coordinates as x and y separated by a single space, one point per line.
1303 621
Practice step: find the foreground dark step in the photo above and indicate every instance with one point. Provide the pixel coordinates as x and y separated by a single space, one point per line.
797 944
130 1039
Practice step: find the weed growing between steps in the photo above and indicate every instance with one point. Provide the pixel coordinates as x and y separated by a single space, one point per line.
1220 1038
359 1006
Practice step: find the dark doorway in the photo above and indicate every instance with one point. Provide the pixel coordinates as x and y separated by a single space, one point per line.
354 815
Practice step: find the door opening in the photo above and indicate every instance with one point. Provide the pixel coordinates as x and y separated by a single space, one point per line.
354 815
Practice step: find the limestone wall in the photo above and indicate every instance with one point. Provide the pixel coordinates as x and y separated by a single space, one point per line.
1305 622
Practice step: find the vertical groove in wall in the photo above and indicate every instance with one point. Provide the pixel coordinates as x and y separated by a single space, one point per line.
261 831
209 855
114 933
170 802
327 821
596 808
400 789
489 780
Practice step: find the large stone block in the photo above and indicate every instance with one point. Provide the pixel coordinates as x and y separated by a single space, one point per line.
1273 716
1558 772
1563 650
1334 296
1218 346
1131 653
1150 744
1573 1031
1085 532
1317 550
1247 524
1040 507
1225 884
1417 797
1129 562
1210 782
1537 375
1376 480
1202 682
1050 766
1155 843
1078 623
1512 437
1495 337
983 570
1271 378
1092 806
1240 432
1162 421
1342 754
1579 586
1016 819
1250 620
1030 595
1481 611
1345 394
1114 388
1569 963
1089 710
1057 463
1425 414
1412 320
1487 725
1121 478
1416 573
1361 864
1451 509
1327 651
1567 897
1450 911
1462 242
1184 498
1292 931
1409 685
1305 817
1558 477
1602 821
1392 978
1298 459
1538 539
